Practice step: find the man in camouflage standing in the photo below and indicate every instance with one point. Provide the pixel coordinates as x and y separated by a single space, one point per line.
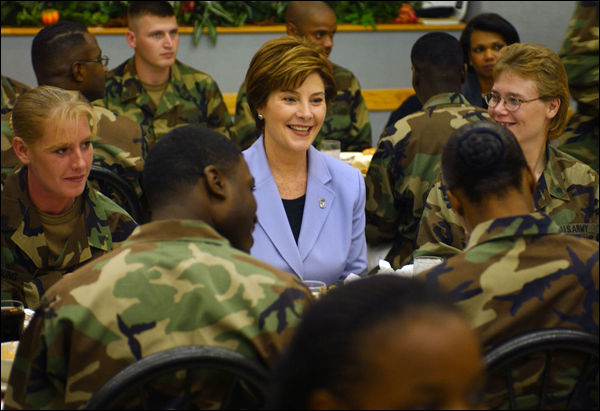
517 273
579 54
67 56
185 278
347 117
407 159
156 90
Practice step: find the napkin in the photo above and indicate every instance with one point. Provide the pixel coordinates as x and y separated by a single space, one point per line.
386 268
351 277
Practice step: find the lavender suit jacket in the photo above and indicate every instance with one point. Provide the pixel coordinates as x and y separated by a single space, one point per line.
332 240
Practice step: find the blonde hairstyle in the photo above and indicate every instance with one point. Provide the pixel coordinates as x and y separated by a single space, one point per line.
540 64
284 64
35 108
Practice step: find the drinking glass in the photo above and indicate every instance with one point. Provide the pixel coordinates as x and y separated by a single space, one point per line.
13 319
316 287
331 147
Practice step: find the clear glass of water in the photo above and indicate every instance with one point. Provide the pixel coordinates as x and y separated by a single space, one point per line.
332 148
317 288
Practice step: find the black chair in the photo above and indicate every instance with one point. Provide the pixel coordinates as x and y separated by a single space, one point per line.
117 189
234 382
563 370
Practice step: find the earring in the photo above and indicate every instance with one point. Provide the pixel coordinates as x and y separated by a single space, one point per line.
260 117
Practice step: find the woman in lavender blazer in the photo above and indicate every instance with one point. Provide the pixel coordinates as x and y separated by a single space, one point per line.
311 218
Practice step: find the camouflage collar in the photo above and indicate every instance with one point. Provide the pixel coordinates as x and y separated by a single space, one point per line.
445 98
552 182
20 217
534 224
175 229
132 88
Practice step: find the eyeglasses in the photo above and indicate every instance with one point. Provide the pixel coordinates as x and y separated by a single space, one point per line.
511 103
102 60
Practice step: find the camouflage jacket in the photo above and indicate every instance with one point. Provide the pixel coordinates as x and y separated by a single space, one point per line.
347 116
567 191
173 283
404 167
117 146
579 54
28 267
191 97
11 89
519 274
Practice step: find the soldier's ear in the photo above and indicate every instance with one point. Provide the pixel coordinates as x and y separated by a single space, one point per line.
78 71
130 38
216 182
291 29
455 203
21 149
552 108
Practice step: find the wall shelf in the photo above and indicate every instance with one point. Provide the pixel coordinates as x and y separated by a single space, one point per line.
279 28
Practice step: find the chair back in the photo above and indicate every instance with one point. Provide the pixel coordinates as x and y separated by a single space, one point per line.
191 377
551 368
117 189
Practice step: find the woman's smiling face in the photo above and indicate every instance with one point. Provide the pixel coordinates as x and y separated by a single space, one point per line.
530 122
293 118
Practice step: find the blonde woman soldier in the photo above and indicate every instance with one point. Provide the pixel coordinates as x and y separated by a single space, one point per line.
52 221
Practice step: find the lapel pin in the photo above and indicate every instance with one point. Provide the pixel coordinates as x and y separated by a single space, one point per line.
322 203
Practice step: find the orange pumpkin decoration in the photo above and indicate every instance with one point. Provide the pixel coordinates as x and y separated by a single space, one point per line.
50 16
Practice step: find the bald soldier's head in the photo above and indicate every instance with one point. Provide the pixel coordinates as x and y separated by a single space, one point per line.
313 20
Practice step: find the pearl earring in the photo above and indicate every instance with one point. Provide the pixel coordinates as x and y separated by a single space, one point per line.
260 117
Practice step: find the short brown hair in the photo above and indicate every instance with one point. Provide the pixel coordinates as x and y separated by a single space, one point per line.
540 64
285 63
138 9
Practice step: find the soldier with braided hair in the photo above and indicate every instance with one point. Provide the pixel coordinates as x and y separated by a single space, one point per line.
517 273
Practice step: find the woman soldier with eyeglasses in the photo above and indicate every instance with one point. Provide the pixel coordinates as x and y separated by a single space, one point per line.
530 97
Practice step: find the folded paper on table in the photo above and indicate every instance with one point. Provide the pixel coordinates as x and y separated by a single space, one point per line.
386 268
351 277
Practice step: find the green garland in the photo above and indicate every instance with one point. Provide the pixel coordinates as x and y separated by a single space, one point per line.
200 14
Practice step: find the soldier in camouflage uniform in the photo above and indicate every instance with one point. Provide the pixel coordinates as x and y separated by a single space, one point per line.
11 90
566 190
156 90
52 221
517 273
579 54
177 281
347 117
408 154
66 55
